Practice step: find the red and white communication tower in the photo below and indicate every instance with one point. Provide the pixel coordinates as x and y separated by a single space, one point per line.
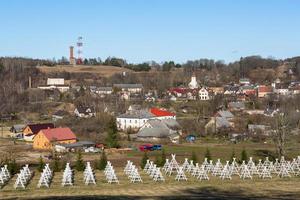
79 51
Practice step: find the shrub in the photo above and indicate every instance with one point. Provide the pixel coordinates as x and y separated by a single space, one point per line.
79 165
102 162
144 160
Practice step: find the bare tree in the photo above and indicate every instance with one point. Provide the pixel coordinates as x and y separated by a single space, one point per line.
281 132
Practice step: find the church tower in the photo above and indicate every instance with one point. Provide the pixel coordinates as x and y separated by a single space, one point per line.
193 84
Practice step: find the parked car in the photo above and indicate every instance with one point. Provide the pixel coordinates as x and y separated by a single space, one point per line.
150 147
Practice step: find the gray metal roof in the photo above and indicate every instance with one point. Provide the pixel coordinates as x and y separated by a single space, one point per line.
137 114
128 85
237 105
18 127
79 144
154 132
225 114
222 122
103 89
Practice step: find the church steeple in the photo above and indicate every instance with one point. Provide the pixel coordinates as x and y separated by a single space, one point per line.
193 84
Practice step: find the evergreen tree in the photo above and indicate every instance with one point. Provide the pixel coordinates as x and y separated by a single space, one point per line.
79 165
194 157
157 161
41 164
207 155
102 162
232 155
112 132
163 157
55 164
12 167
144 160
244 156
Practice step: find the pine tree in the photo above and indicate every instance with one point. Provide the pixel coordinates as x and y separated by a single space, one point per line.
56 163
244 156
194 157
41 164
232 155
112 132
163 157
79 162
102 162
207 155
157 161
144 160
12 166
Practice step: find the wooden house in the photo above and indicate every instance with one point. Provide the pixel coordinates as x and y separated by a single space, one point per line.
46 139
32 129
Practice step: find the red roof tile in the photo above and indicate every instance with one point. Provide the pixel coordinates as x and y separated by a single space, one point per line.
264 88
161 113
59 134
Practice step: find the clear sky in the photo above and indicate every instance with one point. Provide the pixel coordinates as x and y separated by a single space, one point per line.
144 30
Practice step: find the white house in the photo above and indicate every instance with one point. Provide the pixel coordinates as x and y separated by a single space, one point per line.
132 88
84 112
55 83
102 90
203 94
133 119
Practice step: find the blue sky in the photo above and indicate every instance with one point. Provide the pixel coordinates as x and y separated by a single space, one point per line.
144 30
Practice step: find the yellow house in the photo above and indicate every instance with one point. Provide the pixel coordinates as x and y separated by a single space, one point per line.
46 138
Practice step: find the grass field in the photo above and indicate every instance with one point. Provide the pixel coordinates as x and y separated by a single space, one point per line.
214 188
100 70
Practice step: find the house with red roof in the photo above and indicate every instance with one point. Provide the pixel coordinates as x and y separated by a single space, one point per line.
264 90
47 138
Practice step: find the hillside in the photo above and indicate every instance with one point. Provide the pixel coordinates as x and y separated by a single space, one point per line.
101 70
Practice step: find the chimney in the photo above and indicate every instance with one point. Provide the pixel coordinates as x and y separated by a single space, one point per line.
71 58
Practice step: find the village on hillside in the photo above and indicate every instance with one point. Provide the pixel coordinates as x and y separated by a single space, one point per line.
134 100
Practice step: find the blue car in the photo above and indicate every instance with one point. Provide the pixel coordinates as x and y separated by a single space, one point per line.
156 147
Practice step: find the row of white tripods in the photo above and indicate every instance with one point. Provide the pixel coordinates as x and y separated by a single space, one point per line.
264 169
4 175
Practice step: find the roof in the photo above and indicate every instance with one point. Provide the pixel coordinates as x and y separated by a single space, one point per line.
103 89
137 114
154 132
179 90
79 144
59 134
237 105
35 128
60 113
19 127
128 85
264 88
84 109
161 113
222 122
225 114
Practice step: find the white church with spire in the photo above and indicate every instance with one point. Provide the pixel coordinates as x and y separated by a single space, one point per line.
193 84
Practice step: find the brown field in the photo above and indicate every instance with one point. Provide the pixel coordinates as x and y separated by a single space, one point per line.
100 70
